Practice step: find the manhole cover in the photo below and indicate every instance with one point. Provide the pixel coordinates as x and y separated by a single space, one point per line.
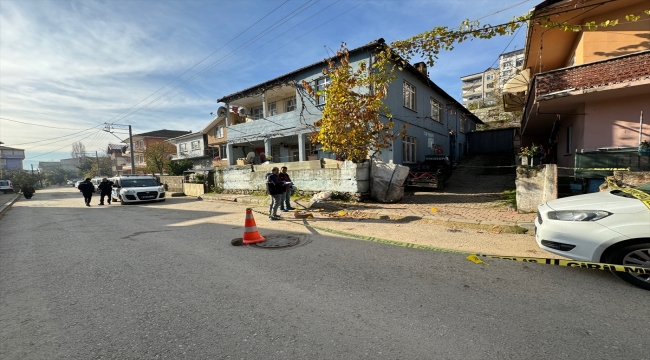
281 241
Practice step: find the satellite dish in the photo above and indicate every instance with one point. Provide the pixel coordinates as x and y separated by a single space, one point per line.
250 157
170 156
222 111
242 111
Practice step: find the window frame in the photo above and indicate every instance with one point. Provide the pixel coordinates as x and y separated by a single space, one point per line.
435 103
218 132
182 147
412 142
287 102
198 145
412 96
272 108
326 81
463 124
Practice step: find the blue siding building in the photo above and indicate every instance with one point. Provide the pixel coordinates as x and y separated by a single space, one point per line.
278 114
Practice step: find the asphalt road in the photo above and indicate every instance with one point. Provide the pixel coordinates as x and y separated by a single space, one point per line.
162 281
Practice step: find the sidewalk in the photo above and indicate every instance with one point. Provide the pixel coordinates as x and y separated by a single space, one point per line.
6 200
472 196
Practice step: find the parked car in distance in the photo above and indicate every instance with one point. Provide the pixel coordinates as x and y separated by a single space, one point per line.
6 187
610 227
76 184
136 188
433 172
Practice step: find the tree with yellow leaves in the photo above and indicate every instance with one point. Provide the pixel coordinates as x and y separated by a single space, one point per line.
351 124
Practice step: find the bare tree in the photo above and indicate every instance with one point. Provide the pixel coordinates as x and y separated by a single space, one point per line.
78 150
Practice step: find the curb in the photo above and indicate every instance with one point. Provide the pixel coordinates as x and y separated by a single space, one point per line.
7 205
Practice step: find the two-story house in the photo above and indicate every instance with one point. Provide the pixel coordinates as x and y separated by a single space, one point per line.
279 114
118 158
140 143
216 135
584 93
11 158
193 146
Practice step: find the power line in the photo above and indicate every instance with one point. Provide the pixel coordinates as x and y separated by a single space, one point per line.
27 123
255 38
508 8
195 65
60 147
38 141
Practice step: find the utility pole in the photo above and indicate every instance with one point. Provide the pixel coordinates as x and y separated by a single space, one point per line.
97 157
108 128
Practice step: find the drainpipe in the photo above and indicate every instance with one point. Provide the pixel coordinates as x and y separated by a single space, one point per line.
640 127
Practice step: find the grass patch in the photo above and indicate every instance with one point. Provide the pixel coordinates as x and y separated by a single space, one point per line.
509 197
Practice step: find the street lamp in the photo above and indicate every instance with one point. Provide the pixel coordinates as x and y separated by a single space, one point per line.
108 128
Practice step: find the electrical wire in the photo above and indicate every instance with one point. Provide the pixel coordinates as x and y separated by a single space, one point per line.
38 141
257 37
60 147
205 58
27 123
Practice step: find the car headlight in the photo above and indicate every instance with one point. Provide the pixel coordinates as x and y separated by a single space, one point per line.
161 189
129 191
578 215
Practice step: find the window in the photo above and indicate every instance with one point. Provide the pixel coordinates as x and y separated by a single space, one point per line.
490 77
436 110
520 62
218 132
322 84
490 86
463 124
195 145
409 145
290 104
258 113
182 147
409 96
272 109
507 64
569 139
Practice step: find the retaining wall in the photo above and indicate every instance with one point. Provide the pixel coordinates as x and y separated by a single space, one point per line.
174 183
535 185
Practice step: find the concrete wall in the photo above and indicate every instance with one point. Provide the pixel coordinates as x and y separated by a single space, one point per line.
345 177
190 189
627 178
535 185
174 183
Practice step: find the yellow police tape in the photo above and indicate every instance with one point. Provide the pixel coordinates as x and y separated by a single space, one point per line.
596 169
640 195
474 257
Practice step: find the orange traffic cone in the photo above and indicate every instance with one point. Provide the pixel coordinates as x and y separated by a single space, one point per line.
251 235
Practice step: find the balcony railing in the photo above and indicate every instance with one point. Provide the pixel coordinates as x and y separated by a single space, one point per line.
190 154
622 69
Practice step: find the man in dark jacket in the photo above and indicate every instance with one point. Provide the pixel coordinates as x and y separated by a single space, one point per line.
285 202
105 187
87 189
275 189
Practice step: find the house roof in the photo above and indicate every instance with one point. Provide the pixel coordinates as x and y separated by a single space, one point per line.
215 121
164 133
200 133
9 148
371 45
116 146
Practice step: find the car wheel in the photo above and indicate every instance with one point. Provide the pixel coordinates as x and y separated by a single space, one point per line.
122 201
441 185
632 255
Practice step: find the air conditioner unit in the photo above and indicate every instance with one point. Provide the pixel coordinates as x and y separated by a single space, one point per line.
243 111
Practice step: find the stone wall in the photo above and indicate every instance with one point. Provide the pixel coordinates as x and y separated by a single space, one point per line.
190 189
174 183
535 185
314 176
630 178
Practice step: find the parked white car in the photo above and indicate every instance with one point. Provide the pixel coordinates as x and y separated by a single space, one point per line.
610 226
134 188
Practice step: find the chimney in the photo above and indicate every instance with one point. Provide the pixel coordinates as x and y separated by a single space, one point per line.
422 67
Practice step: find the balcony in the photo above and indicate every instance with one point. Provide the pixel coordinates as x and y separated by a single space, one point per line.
622 71
193 154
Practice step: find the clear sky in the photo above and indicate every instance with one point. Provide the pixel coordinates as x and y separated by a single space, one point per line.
68 67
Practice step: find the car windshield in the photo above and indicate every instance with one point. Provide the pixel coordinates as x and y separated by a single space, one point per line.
138 182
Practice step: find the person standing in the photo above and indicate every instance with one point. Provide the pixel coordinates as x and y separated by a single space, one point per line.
285 202
275 189
87 189
105 188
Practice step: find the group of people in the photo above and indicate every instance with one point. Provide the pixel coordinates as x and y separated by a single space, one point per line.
279 187
87 188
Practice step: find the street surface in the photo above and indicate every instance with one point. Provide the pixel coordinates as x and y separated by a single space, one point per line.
162 281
